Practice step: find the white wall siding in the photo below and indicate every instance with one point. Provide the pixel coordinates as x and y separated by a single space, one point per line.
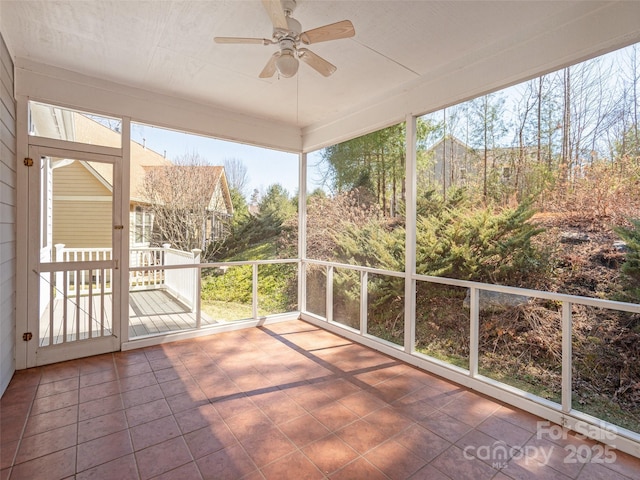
7 218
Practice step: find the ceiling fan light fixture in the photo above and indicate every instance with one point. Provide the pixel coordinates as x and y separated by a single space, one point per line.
287 63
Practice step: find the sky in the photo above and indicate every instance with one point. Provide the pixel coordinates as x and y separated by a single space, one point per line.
264 166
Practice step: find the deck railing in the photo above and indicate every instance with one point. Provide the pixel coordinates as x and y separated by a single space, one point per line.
149 273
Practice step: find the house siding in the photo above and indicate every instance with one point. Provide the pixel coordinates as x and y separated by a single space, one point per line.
82 209
7 218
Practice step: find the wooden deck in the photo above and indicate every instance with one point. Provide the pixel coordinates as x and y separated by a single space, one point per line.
151 312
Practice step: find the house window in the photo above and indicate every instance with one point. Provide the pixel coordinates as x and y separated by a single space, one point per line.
142 225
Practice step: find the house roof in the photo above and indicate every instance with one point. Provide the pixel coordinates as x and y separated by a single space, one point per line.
407 56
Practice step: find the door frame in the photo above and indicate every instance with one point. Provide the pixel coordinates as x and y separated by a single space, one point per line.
43 147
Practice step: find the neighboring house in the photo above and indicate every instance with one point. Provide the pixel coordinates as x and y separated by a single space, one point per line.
452 163
81 213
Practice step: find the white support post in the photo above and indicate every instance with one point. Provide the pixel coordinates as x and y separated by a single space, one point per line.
195 302
254 296
566 357
329 307
302 232
364 304
121 291
59 256
410 237
474 331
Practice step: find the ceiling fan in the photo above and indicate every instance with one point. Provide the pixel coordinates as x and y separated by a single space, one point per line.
288 35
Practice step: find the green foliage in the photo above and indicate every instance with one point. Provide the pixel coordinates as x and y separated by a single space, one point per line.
631 266
275 210
480 244
276 287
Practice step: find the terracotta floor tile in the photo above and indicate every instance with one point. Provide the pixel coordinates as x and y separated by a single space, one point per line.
230 463
179 385
56 465
129 357
455 464
12 427
422 442
59 386
471 408
388 420
394 460
329 453
338 388
59 371
196 418
100 426
623 463
396 388
266 446
47 442
97 378
486 448
54 402
309 397
137 381
363 402
429 472
233 405
98 391
99 363
7 453
294 466
188 471
249 423
147 412
500 429
182 406
362 436
118 469
50 420
154 432
101 406
304 430
133 369
359 469
335 416
163 457
103 450
518 417
445 426
527 468
172 373
141 395
209 439
603 471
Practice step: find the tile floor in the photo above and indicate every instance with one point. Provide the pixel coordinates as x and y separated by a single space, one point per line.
284 401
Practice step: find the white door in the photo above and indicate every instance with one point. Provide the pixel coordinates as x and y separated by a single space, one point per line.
75 231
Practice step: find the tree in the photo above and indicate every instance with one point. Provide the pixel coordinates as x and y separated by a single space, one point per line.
374 163
237 174
488 129
180 196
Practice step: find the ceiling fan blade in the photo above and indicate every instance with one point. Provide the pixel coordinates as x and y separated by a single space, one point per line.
317 63
276 13
270 68
334 31
258 41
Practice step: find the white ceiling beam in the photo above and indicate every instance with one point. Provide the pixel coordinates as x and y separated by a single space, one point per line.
55 85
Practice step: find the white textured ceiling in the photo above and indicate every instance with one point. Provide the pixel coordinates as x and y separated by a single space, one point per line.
167 46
